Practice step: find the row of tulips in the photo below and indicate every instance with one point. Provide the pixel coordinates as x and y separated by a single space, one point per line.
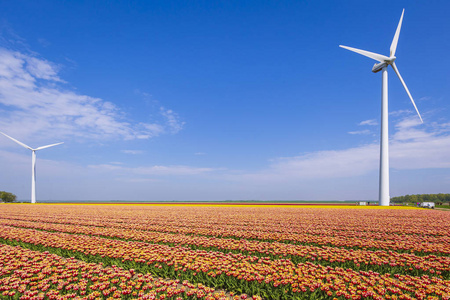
261 218
269 219
421 244
270 278
27 275
380 261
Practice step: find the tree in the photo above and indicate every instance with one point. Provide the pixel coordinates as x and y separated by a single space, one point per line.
7 197
441 197
422 198
414 199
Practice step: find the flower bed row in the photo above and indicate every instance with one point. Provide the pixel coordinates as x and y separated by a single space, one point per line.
336 233
27 274
274 279
380 261
314 220
270 219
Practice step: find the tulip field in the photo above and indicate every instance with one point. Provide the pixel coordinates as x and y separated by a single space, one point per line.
145 251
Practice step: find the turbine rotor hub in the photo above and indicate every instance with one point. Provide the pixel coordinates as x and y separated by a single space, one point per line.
390 60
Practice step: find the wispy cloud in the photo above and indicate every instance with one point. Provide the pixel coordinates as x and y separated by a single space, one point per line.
43 42
152 170
415 147
172 120
426 98
321 164
137 180
133 152
371 122
412 146
400 112
33 100
318 174
360 132
141 93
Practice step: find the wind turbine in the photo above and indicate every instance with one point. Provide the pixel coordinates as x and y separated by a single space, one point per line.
382 65
33 163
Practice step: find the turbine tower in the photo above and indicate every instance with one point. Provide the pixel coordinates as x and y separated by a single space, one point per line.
33 164
382 65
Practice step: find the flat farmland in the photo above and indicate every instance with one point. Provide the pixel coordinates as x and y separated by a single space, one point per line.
145 251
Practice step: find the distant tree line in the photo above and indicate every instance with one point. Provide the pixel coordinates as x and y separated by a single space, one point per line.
422 198
7 197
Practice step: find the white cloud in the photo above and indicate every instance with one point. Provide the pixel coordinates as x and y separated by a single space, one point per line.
150 130
172 119
400 112
41 69
141 93
412 146
426 98
360 132
406 130
134 152
321 164
152 170
372 122
34 101
137 180
332 174
43 42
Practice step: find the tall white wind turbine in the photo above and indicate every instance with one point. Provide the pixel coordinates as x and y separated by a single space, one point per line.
383 63
33 163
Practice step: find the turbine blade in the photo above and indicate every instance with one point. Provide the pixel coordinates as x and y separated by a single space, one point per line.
406 88
20 143
375 56
48 146
397 34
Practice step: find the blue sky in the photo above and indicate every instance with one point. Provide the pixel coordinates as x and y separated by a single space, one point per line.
220 100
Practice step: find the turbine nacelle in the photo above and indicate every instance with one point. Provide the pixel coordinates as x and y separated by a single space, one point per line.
378 67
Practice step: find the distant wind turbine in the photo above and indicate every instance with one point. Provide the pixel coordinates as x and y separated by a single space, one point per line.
383 63
33 163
